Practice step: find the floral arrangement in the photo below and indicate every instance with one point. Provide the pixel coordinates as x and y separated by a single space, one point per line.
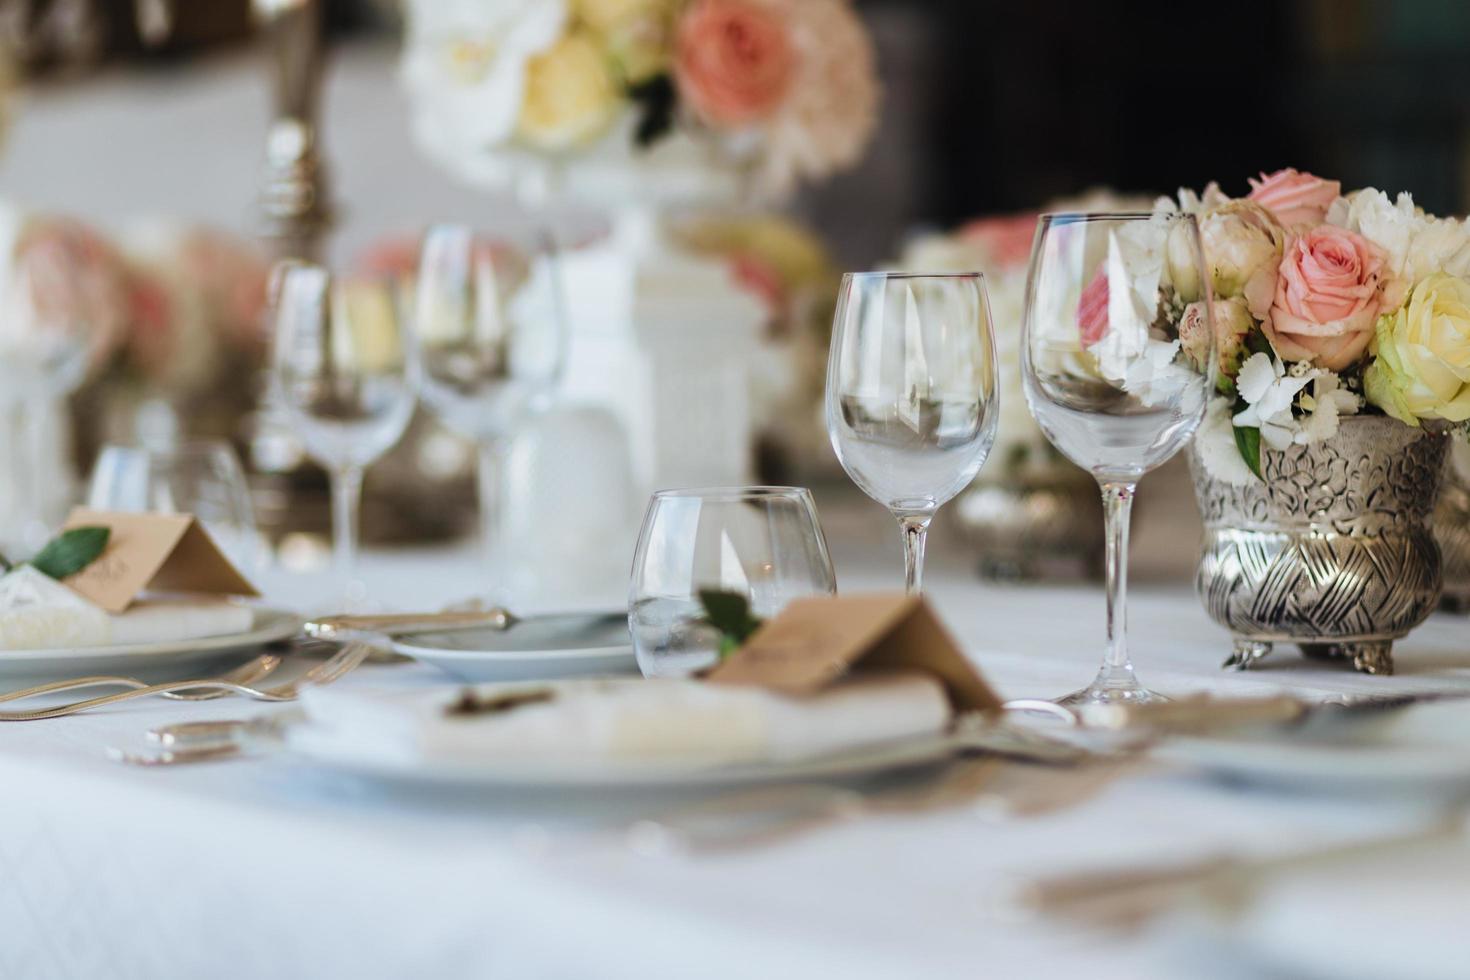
62 292
784 88
195 305
1000 247
1326 305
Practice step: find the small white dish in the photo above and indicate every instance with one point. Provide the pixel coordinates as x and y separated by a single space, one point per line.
535 649
25 667
1422 748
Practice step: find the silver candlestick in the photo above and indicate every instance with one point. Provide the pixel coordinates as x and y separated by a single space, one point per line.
294 199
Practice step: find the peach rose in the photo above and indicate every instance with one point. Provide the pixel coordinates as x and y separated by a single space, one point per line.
1295 198
1327 297
734 60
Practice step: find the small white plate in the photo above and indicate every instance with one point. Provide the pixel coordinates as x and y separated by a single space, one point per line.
25 667
537 648
1423 748
317 747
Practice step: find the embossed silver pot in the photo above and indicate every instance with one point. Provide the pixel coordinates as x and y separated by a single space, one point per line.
1452 529
1333 552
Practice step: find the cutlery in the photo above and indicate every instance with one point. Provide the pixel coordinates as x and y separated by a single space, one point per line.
1201 714
207 741
392 624
348 658
1127 898
249 673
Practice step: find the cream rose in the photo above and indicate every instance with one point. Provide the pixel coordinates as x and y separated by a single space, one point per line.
1423 366
1232 323
604 15
571 97
1243 245
1327 298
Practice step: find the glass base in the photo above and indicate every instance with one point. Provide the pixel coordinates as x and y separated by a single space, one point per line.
1113 687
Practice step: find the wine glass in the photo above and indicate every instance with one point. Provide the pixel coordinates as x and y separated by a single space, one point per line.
203 478
343 375
52 324
1108 376
492 340
912 399
764 544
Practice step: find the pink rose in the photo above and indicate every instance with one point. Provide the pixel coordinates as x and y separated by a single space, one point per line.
734 60
1006 237
1092 310
1327 297
1295 198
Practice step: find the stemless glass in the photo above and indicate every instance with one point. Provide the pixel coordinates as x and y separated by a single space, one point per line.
343 375
203 478
912 400
1110 379
492 340
764 543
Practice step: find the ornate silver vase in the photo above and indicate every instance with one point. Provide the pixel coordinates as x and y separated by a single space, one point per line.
1452 530
1333 552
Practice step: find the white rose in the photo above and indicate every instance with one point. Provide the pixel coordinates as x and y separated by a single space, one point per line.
1418 244
464 66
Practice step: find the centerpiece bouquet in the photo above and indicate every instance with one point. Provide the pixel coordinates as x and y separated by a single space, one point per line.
783 90
1342 326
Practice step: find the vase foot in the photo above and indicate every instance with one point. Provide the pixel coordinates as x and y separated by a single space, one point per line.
1246 653
1368 657
1371 658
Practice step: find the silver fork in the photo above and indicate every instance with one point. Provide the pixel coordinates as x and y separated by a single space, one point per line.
248 673
348 658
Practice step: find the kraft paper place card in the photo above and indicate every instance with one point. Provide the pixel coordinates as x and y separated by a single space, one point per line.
815 641
159 552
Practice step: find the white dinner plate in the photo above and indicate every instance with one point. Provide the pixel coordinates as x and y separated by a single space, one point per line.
314 746
25 667
537 648
1424 749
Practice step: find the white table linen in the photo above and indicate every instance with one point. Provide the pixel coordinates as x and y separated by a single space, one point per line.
252 868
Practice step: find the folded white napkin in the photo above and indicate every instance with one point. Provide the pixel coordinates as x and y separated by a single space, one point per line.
629 721
39 613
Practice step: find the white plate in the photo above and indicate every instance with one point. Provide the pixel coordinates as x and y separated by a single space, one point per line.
319 748
1423 748
32 666
537 648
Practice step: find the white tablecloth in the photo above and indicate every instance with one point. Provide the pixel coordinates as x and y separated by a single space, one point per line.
253 868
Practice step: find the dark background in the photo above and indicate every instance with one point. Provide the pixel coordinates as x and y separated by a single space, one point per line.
1000 106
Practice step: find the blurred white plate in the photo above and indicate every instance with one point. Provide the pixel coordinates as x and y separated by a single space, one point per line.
26 667
537 648
323 748
1423 748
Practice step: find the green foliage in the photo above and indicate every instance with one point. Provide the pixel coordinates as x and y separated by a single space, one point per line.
728 612
71 551
1248 441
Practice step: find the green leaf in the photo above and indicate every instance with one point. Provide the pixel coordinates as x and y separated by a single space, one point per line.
5 564
71 551
728 612
656 99
1248 441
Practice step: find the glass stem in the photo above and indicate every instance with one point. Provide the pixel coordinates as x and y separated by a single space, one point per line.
1118 508
915 528
346 498
491 461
